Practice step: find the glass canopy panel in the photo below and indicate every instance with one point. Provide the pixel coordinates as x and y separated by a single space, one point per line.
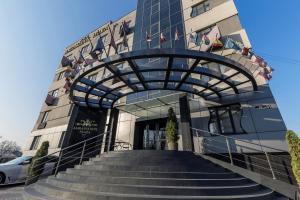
187 87
79 94
206 92
156 85
139 86
212 96
214 67
239 78
154 94
245 87
213 81
227 92
182 63
230 72
124 67
224 69
199 88
131 77
148 104
205 78
141 62
108 83
221 85
158 75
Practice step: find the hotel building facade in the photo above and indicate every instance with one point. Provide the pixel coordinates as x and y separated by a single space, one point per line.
228 101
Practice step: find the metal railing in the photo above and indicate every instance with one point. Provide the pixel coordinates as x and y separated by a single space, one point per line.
73 155
243 153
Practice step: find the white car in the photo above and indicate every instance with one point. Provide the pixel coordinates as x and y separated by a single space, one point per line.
15 171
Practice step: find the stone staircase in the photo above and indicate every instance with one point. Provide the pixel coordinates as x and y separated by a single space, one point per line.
147 175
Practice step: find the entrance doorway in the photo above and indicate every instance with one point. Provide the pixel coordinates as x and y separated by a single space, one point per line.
150 134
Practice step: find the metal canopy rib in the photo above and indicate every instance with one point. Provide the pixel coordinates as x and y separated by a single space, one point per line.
117 74
108 95
134 68
188 73
170 63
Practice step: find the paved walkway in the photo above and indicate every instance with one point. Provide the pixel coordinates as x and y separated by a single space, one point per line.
11 192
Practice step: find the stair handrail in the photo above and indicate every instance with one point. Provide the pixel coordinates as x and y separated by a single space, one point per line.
232 159
82 145
238 139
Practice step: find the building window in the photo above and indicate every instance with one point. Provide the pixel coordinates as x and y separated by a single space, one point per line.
61 140
121 47
45 117
226 120
54 93
93 77
60 76
200 8
35 142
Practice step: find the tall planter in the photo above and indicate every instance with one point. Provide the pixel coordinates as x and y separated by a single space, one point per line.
294 149
171 130
36 167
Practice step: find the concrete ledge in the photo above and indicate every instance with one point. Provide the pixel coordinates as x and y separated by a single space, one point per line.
276 185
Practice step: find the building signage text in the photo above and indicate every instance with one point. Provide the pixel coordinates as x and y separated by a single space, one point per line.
264 106
86 39
86 127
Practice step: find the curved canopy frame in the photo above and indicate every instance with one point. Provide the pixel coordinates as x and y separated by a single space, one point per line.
83 90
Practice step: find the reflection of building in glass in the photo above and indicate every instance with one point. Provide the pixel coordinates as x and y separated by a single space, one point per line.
222 98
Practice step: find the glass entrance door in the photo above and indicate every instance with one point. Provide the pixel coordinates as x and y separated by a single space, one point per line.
154 137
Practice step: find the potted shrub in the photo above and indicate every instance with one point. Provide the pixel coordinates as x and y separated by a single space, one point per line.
36 167
294 149
171 130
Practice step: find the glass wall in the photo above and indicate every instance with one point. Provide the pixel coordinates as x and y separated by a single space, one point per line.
226 120
156 17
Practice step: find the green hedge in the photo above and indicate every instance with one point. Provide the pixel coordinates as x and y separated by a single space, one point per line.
294 148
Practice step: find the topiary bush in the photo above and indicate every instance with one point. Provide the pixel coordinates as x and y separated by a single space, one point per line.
171 129
294 148
36 167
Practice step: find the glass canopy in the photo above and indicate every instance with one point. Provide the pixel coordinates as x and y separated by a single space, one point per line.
206 75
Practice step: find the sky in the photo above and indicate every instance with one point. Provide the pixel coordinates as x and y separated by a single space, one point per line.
34 34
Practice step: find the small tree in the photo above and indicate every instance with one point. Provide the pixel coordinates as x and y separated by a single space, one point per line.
294 148
36 167
9 148
171 130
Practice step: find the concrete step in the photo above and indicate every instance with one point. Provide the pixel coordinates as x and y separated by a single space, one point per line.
55 193
149 154
150 161
157 167
153 181
153 174
148 175
157 190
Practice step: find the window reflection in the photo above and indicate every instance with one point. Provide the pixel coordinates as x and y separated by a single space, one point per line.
226 119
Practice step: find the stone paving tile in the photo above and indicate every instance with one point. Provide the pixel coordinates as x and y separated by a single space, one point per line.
11 192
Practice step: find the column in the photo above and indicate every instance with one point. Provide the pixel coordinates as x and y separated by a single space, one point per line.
185 123
112 127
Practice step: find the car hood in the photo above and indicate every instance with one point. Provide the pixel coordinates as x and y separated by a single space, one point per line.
6 166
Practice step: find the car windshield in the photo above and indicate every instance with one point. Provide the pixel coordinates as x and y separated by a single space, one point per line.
18 160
